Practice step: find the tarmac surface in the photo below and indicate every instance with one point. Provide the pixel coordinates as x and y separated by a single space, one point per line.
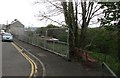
57 66
13 63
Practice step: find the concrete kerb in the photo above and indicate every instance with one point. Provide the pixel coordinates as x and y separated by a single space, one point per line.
43 67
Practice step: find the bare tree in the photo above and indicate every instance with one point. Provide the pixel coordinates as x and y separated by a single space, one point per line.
51 10
77 15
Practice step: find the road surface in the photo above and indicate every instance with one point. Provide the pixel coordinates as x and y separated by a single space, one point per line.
57 66
13 63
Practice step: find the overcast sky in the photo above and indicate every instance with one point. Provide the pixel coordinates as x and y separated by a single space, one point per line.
23 10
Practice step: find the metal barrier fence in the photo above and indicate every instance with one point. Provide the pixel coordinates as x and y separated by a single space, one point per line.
107 72
58 47
61 48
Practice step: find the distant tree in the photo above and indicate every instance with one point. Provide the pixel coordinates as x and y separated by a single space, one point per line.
39 31
42 30
51 26
112 18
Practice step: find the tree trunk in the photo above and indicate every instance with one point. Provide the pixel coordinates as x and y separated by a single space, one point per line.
82 38
83 27
69 21
76 27
71 30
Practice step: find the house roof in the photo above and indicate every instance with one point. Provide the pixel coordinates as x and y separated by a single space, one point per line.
17 23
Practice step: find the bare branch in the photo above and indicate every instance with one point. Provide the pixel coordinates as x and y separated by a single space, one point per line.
89 12
53 20
88 9
55 5
95 11
97 14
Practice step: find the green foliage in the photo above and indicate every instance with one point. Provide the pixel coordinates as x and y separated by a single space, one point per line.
110 60
104 41
111 19
111 12
51 26
59 32
42 30
104 47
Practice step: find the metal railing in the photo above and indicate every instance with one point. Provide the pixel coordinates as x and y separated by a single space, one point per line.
107 72
62 48
58 47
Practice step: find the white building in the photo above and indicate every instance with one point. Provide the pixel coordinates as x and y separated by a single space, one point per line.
16 28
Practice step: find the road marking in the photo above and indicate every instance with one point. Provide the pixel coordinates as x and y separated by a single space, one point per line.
42 64
33 64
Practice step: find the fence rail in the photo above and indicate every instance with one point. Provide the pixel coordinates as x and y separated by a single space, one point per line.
58 47
106 71
62 49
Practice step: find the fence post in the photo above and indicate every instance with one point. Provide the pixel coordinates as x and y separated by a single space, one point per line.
44 43
28 39
53 45
37 42
32 40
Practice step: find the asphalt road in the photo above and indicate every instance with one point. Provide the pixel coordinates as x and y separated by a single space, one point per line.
57 66
13 63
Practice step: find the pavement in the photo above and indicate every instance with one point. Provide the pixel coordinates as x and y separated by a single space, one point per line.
58 66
